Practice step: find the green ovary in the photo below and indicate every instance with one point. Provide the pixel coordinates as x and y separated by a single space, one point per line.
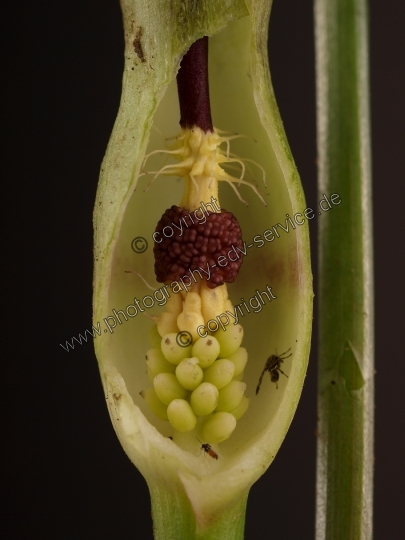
190 392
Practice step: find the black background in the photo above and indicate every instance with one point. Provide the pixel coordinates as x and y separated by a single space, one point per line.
66 474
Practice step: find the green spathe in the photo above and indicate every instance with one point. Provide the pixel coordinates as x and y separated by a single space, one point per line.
181 479
154 337
156 406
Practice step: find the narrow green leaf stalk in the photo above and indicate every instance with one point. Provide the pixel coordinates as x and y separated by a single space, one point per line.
346 369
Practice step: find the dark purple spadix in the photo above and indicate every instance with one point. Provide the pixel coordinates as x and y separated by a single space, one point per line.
192 86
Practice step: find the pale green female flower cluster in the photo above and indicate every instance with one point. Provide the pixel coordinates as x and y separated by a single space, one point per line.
198 385
198 381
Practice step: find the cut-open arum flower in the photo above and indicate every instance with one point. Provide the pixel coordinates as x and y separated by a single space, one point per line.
226 435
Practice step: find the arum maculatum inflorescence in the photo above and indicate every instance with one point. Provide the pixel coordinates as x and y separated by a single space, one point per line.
194 390
198 385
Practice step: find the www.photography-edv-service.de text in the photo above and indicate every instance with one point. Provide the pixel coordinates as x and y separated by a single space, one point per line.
161 295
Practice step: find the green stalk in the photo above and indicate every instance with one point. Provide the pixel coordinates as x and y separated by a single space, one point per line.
173 517
346 369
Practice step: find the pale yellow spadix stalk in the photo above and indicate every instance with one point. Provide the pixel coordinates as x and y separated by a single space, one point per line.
194 495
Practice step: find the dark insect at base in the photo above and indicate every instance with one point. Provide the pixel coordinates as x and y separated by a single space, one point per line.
207 448
272 365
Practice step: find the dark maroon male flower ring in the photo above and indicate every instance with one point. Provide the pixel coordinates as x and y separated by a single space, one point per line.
194 245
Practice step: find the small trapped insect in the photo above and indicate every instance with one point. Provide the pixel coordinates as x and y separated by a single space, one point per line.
207 448
273 367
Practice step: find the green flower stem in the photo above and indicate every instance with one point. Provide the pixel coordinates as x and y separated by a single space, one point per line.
345 401
174 518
